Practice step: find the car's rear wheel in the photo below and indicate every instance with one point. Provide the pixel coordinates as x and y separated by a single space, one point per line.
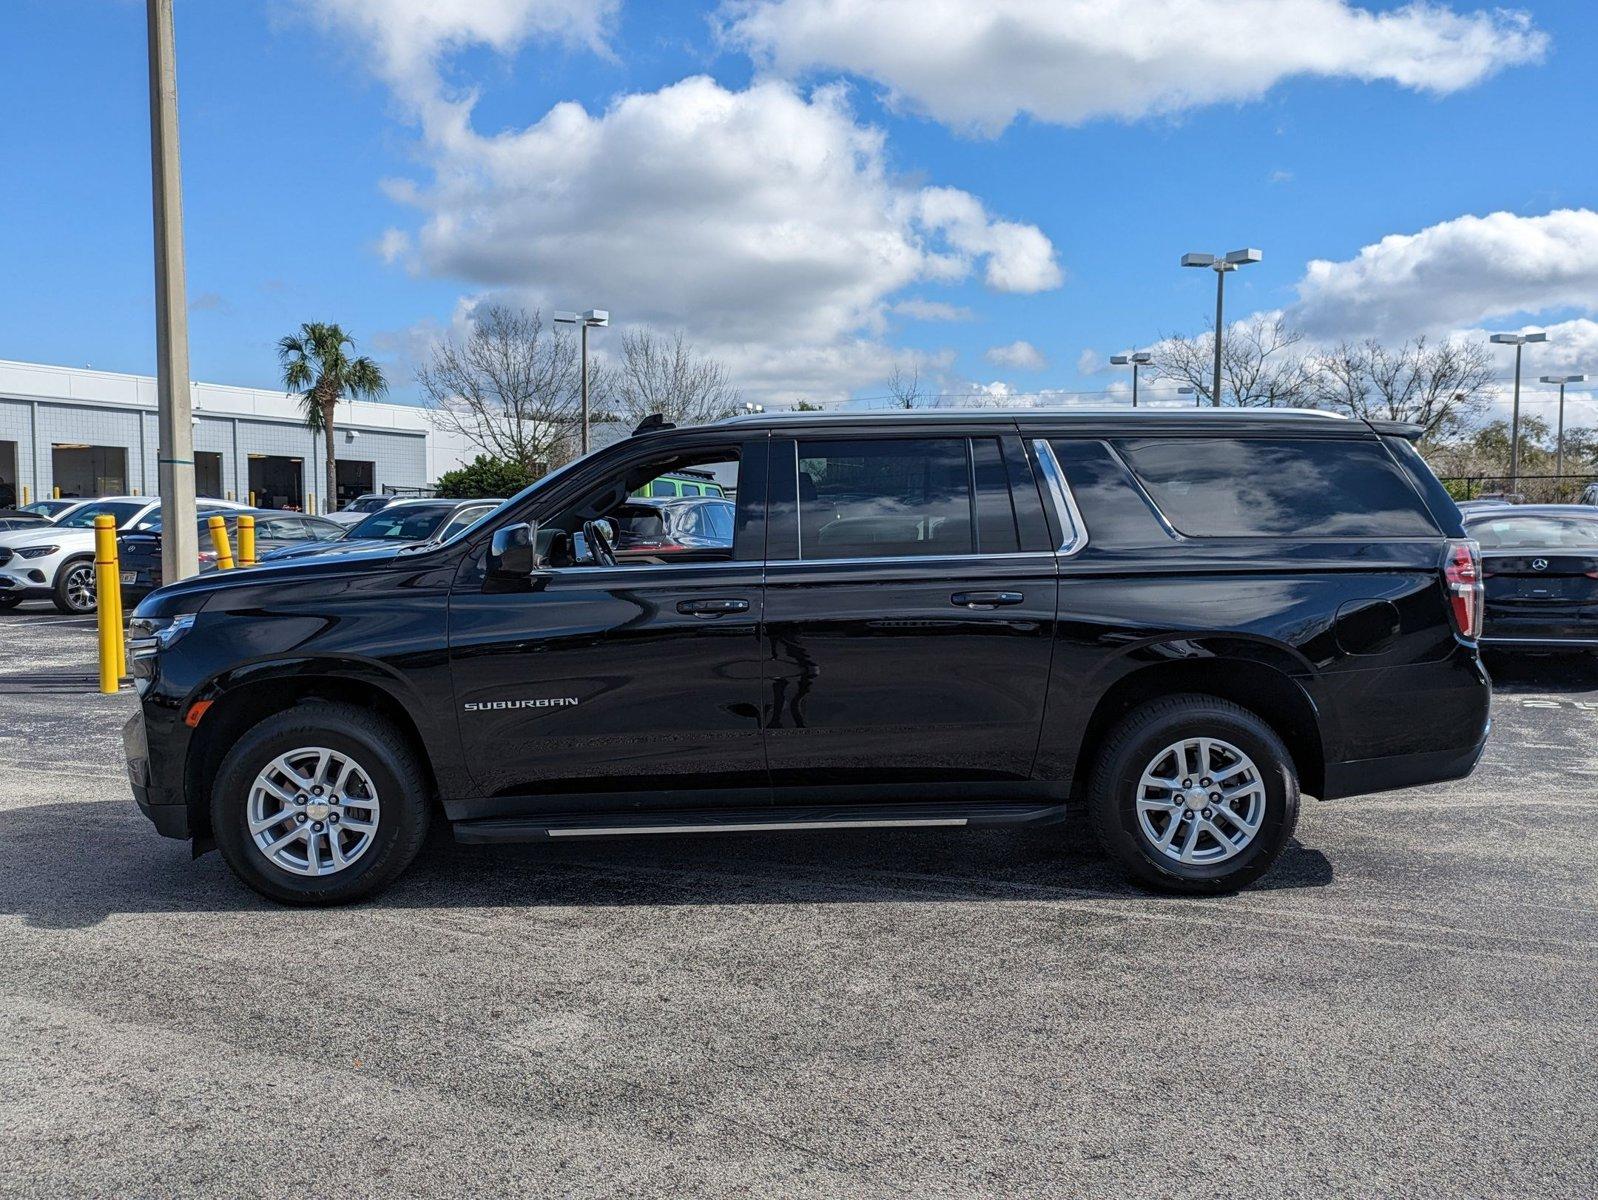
322 804
74 590
1194 794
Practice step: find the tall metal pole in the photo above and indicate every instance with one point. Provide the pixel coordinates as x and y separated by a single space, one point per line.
1220 295
1559 445
175 465
1134 384
585 386
1514 429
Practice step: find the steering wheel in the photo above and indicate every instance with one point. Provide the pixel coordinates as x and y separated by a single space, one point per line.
599 547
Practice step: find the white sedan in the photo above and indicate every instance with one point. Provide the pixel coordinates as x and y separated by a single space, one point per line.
56 561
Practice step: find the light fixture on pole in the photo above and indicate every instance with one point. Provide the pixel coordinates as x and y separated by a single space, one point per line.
1517 340
1191 391
1141 358
594 318
752 408
1559 445
1220 264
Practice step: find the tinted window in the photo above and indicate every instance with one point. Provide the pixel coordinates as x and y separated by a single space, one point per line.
884 499
1113 509
83 516
401 523
663 487
1533 531
717 519
462 519
1276 487
996 527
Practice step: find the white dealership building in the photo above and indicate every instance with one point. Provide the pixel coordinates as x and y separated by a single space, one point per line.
88 433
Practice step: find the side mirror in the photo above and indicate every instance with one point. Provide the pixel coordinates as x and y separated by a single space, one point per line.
513 555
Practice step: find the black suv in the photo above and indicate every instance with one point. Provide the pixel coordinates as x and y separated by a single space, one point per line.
1168 622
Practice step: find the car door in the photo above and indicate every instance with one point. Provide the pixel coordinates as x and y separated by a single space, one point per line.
910 603
640 682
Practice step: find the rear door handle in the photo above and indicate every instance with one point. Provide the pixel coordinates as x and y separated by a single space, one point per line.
985 599
714 607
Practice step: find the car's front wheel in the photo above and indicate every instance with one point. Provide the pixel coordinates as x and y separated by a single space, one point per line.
1194 794
74 590
322 804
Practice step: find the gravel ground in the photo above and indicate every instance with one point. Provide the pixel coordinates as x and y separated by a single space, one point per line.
1406 1005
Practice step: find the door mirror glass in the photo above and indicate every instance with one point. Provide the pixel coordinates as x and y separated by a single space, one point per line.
513 554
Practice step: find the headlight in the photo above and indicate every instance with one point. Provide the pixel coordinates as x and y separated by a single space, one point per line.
148 636
37 551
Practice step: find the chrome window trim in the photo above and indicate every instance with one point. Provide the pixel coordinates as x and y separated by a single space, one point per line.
1159 513
1065 509
903 559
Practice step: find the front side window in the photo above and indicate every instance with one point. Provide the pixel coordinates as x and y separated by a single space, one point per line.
641 533
886 498
1277 487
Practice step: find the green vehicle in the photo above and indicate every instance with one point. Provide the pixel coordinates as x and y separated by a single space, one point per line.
680 484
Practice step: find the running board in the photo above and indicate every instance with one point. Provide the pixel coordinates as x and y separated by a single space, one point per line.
749 819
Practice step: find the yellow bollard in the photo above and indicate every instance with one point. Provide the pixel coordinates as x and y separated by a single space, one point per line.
55 492
107 584
246 541
252 499
224 552
26 498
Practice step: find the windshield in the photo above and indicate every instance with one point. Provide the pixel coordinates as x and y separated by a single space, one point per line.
1533 531
83 516
402 523
370 504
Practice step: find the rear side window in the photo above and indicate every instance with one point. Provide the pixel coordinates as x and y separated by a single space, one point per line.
886 498
1277 487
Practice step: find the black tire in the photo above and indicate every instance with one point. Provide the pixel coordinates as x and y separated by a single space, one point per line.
60 591
8 601
380 750
1129 749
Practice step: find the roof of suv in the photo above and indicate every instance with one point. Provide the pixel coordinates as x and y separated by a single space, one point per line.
1038 414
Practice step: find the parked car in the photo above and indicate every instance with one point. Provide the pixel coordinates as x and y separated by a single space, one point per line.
358 509
56 561
16 518
398 523
1589 494
1470 506
50 509
139 550
1171 623
1540 570
673 530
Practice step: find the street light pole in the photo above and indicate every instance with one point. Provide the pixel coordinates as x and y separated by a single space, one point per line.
1220 264
175 460
594 318
1518 341
1141 358
1559 445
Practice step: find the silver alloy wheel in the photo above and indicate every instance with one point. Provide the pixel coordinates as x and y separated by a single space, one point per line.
79 587
313 811
1200 801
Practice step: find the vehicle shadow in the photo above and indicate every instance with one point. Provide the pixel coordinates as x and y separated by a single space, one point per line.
73 865
1522 673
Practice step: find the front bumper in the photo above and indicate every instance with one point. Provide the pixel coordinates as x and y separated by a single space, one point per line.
170 819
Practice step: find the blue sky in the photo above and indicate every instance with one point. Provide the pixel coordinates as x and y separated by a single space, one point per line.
299 117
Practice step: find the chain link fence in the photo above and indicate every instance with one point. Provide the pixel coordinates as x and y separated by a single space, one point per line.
1529 489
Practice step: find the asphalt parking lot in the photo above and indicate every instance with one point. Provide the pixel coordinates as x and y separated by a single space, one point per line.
1406 1005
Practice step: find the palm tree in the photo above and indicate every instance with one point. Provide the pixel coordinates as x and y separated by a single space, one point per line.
317 365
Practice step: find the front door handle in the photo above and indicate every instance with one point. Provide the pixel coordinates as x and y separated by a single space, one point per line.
715 607
985 599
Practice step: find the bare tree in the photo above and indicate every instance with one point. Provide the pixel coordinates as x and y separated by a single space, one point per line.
905 389
510 387
1261 363
666 376
1439 386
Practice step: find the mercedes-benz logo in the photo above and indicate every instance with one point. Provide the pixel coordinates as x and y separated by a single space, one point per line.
1539 564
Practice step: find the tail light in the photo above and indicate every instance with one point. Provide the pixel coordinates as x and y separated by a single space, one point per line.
1462 575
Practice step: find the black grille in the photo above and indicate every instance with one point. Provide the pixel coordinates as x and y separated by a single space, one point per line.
5 555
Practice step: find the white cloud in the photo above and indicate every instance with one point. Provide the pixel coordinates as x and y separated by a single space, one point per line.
1018 355
919 309
980 65
1454 274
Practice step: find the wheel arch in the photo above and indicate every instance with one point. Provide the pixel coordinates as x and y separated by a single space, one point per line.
1272 695
235 708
